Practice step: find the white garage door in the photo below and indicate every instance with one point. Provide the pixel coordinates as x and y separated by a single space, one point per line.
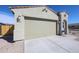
38 28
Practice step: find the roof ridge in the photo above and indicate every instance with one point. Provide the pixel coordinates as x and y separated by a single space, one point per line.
33 6
18 7
51 10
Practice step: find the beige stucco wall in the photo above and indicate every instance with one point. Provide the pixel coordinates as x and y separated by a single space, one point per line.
64 16
27 29
35 29
19 28
37 12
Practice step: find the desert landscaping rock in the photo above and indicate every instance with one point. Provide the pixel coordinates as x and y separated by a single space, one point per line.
6 47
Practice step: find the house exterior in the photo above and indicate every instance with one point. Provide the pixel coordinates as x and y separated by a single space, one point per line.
38 21
6 29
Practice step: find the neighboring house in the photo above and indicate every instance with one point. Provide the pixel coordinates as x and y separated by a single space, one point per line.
38 21
74 26
74 29
6 29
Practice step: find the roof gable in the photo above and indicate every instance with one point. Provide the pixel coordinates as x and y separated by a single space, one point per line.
39 12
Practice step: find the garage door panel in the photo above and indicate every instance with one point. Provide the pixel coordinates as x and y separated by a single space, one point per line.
35 29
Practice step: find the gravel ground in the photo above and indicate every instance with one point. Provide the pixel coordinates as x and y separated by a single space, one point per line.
7 47
75 33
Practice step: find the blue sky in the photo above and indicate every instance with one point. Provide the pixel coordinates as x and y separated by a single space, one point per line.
6 15
72 10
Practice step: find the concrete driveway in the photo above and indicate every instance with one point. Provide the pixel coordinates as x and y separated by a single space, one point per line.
52 44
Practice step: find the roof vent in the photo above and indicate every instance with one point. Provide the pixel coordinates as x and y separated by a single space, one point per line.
44 10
